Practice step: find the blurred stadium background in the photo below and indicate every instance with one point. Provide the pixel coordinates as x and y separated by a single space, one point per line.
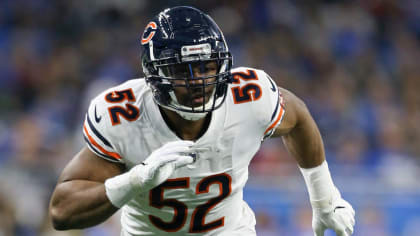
355 64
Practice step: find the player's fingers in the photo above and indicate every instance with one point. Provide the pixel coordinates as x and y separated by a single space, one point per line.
163 173
346 215
184 148
350 210
158 162
183 161
350 217
348 225
346 220
353 212
349 230
169 158
180 143
201 149
340 229
349 207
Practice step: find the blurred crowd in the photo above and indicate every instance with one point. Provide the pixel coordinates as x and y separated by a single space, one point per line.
353 62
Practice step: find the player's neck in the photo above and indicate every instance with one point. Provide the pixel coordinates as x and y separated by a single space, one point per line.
185 129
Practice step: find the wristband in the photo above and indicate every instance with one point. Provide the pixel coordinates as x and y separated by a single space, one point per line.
322 191
122 188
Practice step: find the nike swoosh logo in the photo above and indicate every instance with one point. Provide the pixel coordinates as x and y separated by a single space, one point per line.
97 119
273 88
339 207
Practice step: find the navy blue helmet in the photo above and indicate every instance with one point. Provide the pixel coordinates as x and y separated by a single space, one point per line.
175 42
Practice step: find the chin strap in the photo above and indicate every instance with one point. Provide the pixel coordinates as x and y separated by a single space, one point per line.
188 115
191 116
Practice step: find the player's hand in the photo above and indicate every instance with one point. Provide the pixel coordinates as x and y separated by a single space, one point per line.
339 216
161 164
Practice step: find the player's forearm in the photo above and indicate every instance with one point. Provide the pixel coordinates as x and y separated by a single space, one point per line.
79 204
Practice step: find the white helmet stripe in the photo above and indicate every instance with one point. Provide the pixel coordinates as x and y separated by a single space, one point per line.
152 55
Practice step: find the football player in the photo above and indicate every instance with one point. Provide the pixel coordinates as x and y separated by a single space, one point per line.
172 149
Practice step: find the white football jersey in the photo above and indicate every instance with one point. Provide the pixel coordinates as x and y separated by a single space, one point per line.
124 124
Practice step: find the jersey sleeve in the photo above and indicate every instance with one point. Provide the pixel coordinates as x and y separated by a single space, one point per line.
257 97
269 108
275 107
98 133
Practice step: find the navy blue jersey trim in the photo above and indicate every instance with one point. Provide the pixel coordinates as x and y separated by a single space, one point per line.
273 87
96 132
277 107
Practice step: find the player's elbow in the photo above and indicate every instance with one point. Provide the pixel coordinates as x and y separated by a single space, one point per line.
59 218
